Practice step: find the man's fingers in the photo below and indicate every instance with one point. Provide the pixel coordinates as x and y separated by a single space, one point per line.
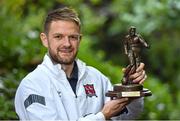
142 81
122 100
140 67
121 103
138 79
137 74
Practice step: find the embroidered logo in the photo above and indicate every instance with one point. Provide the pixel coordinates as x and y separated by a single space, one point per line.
89 89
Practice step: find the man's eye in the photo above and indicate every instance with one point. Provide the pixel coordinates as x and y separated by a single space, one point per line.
58 37
73 37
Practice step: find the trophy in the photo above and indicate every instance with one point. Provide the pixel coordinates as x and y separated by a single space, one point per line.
133 44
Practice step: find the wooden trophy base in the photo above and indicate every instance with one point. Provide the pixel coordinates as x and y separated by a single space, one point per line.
132 90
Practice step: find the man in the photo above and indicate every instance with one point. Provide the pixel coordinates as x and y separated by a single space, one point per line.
63 87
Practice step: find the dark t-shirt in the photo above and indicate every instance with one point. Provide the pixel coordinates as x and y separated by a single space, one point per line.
74 77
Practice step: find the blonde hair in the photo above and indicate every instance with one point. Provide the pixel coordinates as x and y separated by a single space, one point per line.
65 13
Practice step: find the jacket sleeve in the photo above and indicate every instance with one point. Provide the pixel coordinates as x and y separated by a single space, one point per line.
93 117
31 104
133 110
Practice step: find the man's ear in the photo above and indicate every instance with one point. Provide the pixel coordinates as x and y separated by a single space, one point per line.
44 39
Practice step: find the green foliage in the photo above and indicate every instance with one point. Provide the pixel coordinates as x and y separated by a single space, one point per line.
160 104
8 85
104 24
95 59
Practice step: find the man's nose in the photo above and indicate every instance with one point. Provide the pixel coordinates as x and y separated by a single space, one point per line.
67 41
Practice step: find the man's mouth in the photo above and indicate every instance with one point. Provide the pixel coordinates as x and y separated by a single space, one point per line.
65 50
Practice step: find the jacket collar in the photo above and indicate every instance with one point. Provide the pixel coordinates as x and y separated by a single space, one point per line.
55 68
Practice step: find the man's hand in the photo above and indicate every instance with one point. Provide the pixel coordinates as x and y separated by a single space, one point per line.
139 76
113 107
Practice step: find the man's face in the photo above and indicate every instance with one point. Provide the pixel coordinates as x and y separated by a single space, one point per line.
63 41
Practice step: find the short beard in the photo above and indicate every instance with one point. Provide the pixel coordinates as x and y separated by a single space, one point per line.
59 60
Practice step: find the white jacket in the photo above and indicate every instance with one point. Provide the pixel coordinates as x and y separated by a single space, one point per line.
45 94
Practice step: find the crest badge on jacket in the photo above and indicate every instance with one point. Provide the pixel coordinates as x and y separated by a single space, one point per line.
90 91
